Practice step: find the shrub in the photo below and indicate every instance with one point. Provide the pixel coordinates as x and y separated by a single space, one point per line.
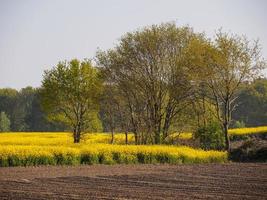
210 136
239 124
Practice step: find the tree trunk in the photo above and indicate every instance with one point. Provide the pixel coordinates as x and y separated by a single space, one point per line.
227 119
136 138
157 137
76 139
227 140
74 135
126 137
166 128
204 111
112 136
77 133
167 121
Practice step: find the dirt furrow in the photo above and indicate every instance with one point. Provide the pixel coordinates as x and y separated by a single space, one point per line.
212 181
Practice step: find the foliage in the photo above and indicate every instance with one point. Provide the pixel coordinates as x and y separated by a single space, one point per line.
4 122
8 98
224 64
70 94
239 124
24 110
57 148
252 103
210 136
113 112
235 134
150 69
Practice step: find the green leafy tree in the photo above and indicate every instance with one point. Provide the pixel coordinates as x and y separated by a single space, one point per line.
70 93
150 69
223 65
4 122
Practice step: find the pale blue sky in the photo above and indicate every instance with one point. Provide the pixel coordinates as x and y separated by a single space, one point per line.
36 34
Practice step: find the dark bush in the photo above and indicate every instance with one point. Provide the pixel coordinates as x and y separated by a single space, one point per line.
210 136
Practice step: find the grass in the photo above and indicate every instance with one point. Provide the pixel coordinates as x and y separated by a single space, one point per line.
27 149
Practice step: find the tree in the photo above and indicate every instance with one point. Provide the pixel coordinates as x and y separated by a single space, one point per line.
70 93
113 112
22 109
8 98
252 104
4 122
36 118
226 63
110 110
150 69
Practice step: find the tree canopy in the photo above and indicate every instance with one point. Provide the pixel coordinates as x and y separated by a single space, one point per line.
149 67
4 122
70 93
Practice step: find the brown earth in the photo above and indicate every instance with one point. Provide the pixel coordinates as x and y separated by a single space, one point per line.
198 181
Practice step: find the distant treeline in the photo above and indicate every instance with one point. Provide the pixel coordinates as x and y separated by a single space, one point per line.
22 109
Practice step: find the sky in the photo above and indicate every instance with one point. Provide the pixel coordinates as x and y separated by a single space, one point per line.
35 35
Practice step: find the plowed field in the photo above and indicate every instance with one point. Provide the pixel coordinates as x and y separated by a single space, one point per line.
205 181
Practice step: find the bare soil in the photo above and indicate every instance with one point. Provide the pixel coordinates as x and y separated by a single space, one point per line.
197 181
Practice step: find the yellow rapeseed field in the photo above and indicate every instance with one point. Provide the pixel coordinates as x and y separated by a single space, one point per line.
183 136
247 131
58 148
232 132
